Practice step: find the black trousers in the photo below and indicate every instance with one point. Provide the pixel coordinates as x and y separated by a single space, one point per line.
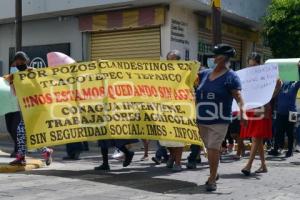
283 125
74 148
12 121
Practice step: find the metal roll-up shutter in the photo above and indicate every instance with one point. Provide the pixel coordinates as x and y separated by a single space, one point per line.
126 44
237 44
205 36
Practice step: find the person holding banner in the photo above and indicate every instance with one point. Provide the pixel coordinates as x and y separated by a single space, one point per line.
21 61
13 119
217 88
175 148
259 127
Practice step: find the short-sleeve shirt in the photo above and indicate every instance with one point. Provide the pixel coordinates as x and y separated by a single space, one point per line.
214 97
286 99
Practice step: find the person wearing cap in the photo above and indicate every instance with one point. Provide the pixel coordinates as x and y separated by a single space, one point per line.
21 61
259 126
217 87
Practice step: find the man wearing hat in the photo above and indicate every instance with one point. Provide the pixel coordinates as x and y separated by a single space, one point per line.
217 88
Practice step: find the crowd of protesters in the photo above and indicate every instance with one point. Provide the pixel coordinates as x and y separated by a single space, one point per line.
217 84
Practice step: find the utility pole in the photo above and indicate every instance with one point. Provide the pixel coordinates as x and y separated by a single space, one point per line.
18 21
216 21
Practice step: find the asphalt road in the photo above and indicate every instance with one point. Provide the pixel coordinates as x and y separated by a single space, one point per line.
144 181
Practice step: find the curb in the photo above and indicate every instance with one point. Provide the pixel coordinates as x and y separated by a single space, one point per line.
31 164
6 168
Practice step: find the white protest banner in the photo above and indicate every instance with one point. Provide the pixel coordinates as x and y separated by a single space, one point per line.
258 85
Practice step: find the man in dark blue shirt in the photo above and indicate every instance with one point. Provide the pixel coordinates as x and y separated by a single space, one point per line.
286 117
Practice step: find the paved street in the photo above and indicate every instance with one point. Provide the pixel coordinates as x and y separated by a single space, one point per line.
142 180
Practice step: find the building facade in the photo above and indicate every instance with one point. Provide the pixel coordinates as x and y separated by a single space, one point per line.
129 29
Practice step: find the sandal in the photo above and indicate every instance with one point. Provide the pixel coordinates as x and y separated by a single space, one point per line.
246 172
217 178
261 170
144 158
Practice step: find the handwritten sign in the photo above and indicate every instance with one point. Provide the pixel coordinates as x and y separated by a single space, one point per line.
258 85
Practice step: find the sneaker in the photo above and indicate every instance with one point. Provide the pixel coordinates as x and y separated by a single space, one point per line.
230 148
19 161
128 159
177 168
102 168
47 155
289 154
191 165
170 163
118 155
273 152
210 187
156 160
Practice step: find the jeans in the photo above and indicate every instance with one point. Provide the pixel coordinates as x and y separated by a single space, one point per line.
161 152
12 122
74 148
283 125
195 151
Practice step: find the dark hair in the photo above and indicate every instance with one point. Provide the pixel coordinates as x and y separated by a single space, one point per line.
22 56
176 53
256 57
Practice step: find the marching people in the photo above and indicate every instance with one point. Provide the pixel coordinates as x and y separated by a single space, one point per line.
228 143
161 155
234 130
216 90
175 148
259 126
194 157
105 145
74 150
21 61
286 116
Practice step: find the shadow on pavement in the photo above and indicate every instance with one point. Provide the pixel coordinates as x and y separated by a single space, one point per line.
275 158
239 176
137 178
